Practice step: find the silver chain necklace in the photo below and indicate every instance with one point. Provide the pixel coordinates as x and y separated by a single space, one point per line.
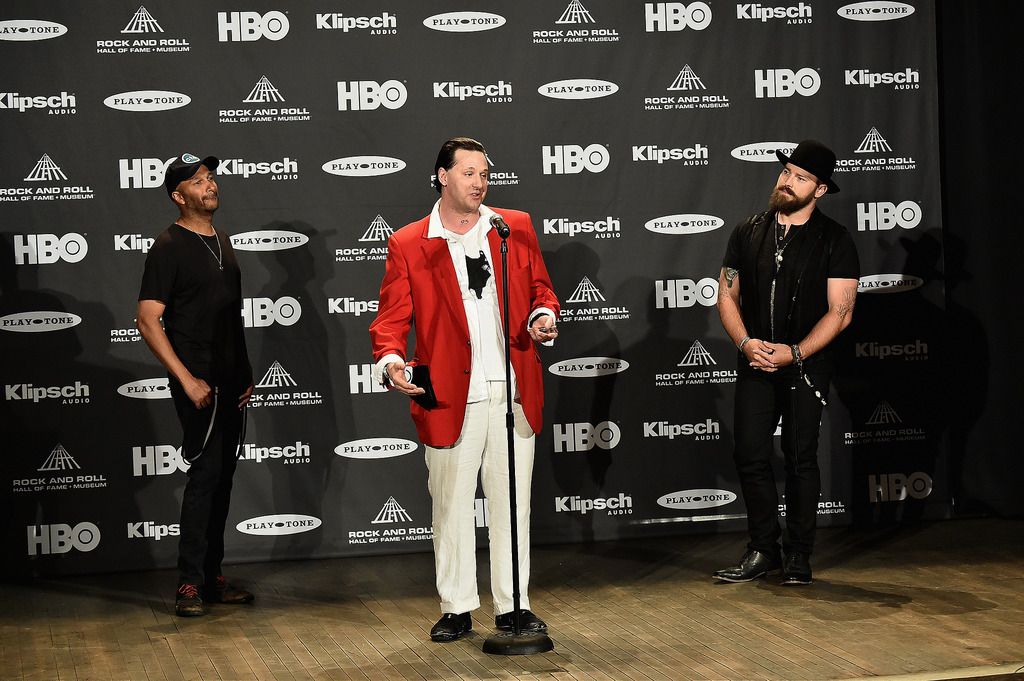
219 255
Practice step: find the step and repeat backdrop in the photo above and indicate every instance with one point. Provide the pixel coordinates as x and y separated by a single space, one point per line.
637 134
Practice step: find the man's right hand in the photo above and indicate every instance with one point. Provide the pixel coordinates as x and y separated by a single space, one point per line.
199 392
396 374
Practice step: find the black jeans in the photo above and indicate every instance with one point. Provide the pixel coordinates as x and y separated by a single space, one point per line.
761 398
211 439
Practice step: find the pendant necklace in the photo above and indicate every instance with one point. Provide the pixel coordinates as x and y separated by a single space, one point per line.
219 255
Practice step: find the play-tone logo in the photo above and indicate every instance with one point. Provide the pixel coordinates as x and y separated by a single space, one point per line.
875 10
279 524
464 22
578 88
147 389
375 448
38 321
684 223
251 26
589 367
61 538
888 283
268 240
46 249
696 499
30 29
363 166
147 100
676 16
762 152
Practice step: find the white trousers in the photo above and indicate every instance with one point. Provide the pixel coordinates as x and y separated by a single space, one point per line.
482 448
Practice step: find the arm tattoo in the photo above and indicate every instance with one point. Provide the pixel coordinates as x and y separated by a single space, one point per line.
846 306
730 276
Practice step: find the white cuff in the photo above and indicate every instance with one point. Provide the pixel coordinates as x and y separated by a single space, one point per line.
378 368
540 312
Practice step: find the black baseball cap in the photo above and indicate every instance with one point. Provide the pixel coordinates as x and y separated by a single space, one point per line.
184 167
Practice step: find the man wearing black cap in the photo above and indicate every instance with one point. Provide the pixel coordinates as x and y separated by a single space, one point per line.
786 290
193 282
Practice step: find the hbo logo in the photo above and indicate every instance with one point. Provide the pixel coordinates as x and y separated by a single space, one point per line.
675 16
673 293
897 486
784 82
45 249
142 173
569 159
881 216
61 538
260 312
157 460
582 437
249 26
367 95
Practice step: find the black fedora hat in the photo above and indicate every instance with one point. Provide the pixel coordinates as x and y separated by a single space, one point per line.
815 158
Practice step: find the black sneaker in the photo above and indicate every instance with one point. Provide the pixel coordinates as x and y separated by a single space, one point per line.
221 591
188 602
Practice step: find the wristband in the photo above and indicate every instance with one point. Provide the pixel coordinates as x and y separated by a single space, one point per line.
797 357
743 342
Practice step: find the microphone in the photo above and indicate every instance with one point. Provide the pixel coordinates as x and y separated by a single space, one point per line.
499 224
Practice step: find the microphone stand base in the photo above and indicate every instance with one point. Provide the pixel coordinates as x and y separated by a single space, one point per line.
524 643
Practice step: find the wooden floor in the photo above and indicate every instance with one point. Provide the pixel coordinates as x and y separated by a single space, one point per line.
934 597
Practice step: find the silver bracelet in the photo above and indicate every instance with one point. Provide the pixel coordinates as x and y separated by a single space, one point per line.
743 342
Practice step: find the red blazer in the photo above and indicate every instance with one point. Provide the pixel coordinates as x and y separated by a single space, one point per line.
419 283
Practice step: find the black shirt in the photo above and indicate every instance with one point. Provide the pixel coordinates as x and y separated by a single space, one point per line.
812 253
203 313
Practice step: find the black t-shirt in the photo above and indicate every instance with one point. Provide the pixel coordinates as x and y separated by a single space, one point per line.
203 313
812 253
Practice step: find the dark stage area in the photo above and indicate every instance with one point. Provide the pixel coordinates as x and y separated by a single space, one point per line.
942 600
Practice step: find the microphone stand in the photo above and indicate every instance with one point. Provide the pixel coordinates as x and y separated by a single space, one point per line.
515 642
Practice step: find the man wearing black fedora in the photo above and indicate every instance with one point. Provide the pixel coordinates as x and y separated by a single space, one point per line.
786 290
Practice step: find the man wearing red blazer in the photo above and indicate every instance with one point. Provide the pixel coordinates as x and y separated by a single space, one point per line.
444 272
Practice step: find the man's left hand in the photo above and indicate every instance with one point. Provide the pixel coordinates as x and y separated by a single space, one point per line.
773 356
543 329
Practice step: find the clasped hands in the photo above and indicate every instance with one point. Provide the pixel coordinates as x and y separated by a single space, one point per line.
765 356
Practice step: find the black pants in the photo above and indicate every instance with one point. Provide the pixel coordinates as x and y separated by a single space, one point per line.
761 398
211 438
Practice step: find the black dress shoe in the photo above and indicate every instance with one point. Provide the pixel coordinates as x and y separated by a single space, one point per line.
797 570
222 591
528 622
451 627
754 564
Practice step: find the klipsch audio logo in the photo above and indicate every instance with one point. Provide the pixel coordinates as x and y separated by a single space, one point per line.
38 321
676 16
30 29
775 83
884 425
489 93
363 166
593 305
762 152
46 249
268 240
697 499
63 476
47 184
251 26
279 524
578 88
685 223
589 367
680 293
880 216
295 453
580 27
571 159
618 505
74 393
44 540
143 34
875 10
607 228
800 13
351 306
54 105
888 283
464 22
147 529
263 312
267 99
685 92
698 363
696 155
285 169
383 24
147 389
583 437
133 242
375 448
907 79
709 429
915 350
391 513
277 383
147 100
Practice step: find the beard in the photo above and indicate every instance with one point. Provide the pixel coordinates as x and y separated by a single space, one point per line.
786 203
